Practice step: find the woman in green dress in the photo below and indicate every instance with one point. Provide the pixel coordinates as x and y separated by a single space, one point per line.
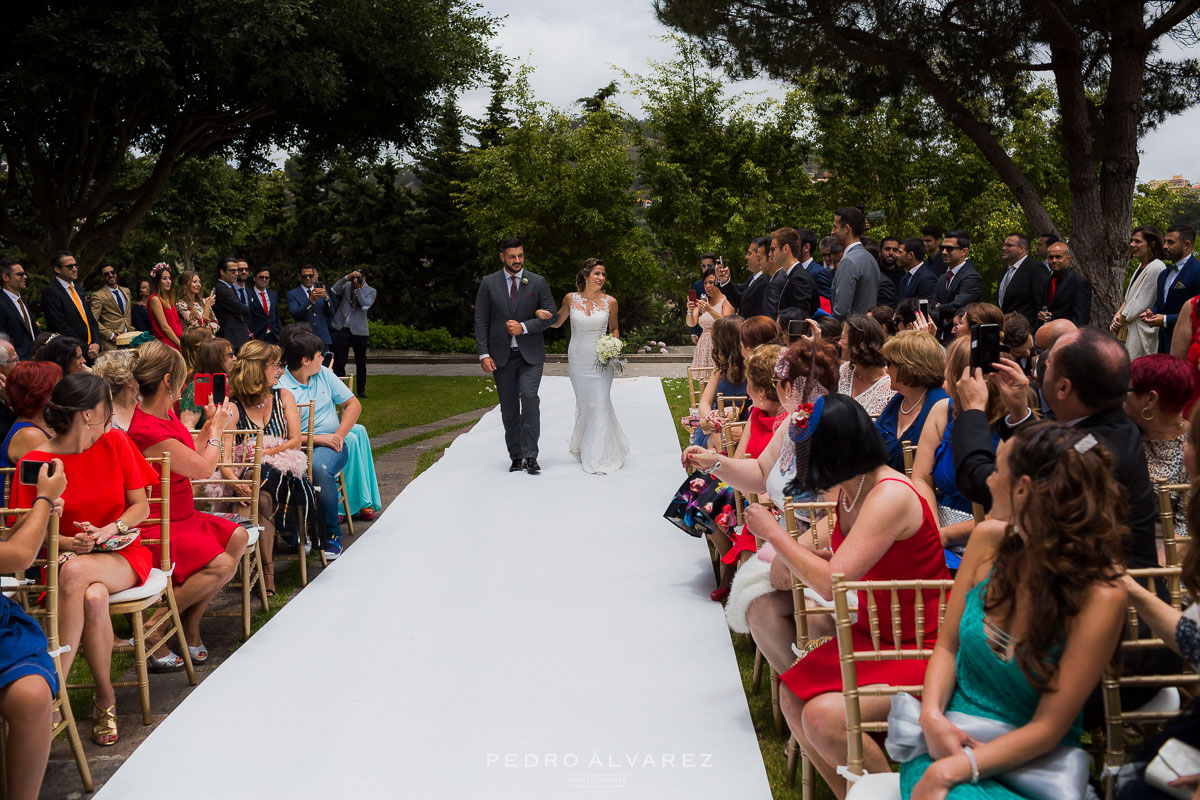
1034 617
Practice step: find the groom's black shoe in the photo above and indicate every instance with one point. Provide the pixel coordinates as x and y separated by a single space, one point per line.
516 466
531 466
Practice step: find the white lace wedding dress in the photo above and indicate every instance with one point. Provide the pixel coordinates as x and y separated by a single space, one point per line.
598 441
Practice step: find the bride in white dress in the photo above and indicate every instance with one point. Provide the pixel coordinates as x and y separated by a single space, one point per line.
597 441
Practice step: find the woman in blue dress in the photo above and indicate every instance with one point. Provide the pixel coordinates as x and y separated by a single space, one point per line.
916 364
1034 618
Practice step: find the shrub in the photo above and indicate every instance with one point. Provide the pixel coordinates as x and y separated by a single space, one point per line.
406 337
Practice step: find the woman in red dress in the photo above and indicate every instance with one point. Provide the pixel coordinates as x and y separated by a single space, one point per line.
106 493
206 549
884 531
164 317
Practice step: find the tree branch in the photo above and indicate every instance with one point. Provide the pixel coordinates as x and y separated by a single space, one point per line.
1177 14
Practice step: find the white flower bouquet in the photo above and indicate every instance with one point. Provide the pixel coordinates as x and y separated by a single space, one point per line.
608 351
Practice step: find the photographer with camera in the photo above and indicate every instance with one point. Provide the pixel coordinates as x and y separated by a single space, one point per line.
354 296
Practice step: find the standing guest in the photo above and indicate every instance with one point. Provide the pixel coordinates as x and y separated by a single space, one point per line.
66 307
856 282
140 315
1160 386
195 310
1042 251
15 320
1034 618
28 679
1146 247
919 280
707 261
212 356
354 296
29 387
890 271
798 297
111 306
1068 294
164 316
232 313
931 238
1023 283
863 374
960 285
264 309
735 291
710 306
65 351
310 302
1176 285
105 496
916 365
116 367
243 278
307 382
205 549
831 256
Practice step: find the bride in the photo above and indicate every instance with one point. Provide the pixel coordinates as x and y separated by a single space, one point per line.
597 441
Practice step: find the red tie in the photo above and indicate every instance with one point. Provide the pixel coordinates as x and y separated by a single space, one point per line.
512 293
266 309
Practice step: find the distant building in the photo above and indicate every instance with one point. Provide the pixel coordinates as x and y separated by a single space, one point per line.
1177 184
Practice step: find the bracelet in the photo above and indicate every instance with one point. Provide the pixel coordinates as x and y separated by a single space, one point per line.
970 754
214 442
716 466
49 500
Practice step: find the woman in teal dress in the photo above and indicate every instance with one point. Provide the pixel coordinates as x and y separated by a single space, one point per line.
1034 617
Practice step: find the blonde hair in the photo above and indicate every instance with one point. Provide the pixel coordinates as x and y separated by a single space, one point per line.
248 379
760 369
116 367
154 361
917 357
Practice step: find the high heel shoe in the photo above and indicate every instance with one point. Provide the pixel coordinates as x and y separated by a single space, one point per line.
104 727
719 594
268 577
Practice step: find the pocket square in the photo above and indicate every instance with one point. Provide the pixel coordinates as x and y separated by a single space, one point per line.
1178 285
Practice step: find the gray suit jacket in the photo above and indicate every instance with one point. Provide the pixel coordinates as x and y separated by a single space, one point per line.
855 283
493 310
352 305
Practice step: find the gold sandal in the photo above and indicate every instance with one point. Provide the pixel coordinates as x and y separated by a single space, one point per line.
104 727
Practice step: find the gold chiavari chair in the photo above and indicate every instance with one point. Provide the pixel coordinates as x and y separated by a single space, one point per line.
28 591
697 380
314 518
910 456
152 594
250 570
880 650
1167 492
348 380
1164 706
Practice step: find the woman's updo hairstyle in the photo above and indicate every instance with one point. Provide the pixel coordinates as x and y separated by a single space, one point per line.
73 395
760 370
116 367
582 276
154 360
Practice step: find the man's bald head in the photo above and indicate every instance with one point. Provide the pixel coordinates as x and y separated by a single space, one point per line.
1058 256
1087 372
1051 332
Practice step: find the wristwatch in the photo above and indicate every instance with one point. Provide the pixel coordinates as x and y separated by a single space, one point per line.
122 527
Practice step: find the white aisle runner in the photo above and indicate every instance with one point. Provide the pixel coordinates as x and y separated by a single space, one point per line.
494 635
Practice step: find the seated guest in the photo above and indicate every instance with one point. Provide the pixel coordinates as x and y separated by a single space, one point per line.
28 680
206 549
189 346
29 387
1160 386
164 316
262 404
884 531
906 314
1018 341
933 467
864 375
974 314
916 366
886 317
66 351
213 356
728 378
309 382
758 331
8 361
105 496
116 367
1034 618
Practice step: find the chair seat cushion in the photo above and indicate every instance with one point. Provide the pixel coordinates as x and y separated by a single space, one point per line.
155 583
876 786
252 532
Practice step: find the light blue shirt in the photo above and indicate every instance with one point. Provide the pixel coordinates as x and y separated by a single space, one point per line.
326 389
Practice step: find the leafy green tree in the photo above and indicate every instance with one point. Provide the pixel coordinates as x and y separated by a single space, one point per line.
87 83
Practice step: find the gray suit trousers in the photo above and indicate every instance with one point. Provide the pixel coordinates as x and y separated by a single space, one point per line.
517 384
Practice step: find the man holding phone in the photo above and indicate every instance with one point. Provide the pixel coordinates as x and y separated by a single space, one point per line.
310 302
354 297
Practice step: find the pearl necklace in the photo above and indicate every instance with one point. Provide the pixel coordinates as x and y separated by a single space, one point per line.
914 407
853 503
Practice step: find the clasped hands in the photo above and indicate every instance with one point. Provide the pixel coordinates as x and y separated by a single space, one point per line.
1153 320
944 740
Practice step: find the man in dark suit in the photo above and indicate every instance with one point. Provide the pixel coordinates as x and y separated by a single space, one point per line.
890 272
748 298
931 237
960 285
16 321
310 302
814 265
1068 295
264 308
232 314
66 306
508 338
1176 285
1023 284
918 280
797 290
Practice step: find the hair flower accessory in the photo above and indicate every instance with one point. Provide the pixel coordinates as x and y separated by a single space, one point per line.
1085 444
159 268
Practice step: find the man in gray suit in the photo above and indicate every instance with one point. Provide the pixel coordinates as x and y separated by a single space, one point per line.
856 281
349 326
508 338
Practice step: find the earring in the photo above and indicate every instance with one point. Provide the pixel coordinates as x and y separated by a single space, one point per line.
1146 417
171 395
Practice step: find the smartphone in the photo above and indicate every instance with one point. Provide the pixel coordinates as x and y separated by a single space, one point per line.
203 384
318 285
218 387
30 470
985 347
923 307
692 296
797 328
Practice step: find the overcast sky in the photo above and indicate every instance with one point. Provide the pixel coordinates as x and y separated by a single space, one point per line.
573 46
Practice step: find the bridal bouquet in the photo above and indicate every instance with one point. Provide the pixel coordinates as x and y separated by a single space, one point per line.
608 351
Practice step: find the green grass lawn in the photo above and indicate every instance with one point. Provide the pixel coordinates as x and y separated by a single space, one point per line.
404 401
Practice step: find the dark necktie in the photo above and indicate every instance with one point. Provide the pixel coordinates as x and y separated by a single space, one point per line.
120 298
242 296
512 292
